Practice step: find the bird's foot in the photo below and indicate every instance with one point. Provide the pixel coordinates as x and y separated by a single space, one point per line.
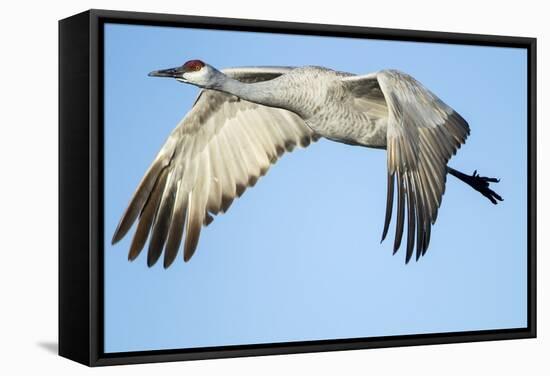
481 184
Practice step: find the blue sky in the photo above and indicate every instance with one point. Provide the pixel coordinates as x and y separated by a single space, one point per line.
298 257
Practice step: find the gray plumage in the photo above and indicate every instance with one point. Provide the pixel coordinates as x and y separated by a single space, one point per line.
244 119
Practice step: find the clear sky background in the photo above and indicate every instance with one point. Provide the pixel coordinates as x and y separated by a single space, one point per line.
298 257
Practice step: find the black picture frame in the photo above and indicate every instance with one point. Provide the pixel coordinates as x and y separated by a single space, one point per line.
81 182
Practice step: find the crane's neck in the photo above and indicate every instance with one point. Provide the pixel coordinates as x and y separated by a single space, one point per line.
272 93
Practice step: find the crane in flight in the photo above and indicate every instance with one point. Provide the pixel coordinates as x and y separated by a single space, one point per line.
245 118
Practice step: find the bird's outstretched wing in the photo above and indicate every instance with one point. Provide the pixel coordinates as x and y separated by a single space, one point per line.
222 146
423 134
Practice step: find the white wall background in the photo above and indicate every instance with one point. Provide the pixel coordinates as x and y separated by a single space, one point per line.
28 187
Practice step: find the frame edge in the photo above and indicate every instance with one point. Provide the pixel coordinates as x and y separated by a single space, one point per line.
74 161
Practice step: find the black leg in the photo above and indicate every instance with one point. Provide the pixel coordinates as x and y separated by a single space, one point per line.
479 183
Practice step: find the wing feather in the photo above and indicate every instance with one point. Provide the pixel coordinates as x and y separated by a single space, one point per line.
147 217
162 220
196 210
215 196
144 189
176 226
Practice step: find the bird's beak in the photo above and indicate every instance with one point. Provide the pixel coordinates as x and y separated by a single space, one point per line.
171 72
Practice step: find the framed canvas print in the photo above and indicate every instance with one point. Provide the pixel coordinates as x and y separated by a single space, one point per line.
225 186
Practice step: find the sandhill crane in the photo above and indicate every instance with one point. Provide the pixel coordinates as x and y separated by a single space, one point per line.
244 119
